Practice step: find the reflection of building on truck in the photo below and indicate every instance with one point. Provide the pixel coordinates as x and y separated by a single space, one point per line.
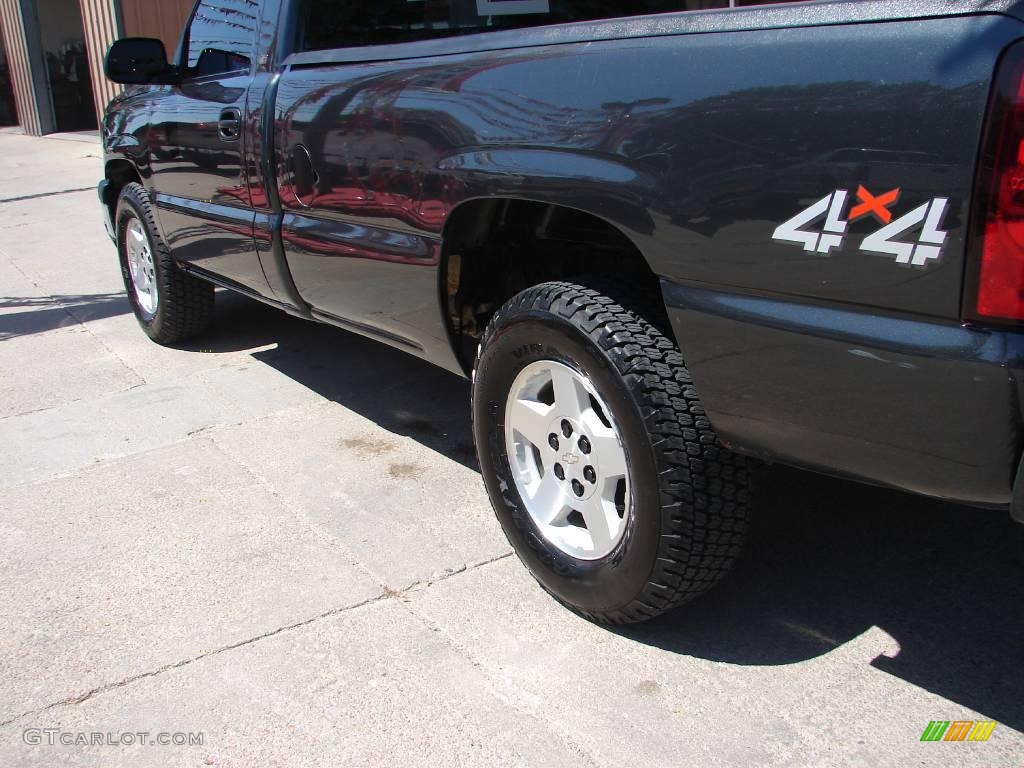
662 248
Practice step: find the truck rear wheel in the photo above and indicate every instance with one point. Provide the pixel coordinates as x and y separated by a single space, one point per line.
601 465
170 305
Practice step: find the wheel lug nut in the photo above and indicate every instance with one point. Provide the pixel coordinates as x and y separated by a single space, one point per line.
577 487
566 428
589 474
553 440
584 444
559 472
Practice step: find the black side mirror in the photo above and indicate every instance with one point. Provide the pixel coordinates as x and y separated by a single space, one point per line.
137 61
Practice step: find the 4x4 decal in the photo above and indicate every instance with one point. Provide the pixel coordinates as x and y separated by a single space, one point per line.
889 240
833 231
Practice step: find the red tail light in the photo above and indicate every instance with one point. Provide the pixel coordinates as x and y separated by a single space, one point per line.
999 211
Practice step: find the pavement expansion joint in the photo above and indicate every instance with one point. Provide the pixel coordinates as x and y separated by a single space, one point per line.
44 194
388 593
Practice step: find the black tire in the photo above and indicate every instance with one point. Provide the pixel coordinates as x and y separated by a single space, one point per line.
689 515
185 303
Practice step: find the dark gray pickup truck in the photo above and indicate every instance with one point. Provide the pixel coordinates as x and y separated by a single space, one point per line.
661 239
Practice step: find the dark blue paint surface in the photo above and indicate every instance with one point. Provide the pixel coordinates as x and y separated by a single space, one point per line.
695 135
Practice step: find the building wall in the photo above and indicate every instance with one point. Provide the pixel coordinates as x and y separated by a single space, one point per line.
18 61
101 29
164 20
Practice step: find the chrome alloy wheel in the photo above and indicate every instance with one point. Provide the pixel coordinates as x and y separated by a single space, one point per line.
141 266
567 459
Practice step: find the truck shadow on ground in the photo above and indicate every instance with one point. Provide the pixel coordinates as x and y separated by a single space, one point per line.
395 390
827 560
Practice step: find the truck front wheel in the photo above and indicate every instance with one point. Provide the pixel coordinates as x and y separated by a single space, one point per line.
170 305
601 465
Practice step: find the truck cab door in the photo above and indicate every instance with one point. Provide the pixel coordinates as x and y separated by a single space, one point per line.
201 189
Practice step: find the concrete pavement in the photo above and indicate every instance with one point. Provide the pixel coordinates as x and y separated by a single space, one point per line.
276 537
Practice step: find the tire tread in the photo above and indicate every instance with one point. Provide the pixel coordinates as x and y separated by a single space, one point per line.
704 487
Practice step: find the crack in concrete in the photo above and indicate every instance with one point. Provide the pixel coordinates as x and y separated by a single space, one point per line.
39 410
80 698
447 574
387 594
44 194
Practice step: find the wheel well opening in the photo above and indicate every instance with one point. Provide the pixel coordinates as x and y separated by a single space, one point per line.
119 173
496 247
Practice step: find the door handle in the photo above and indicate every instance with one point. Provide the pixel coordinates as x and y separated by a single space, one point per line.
230 124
